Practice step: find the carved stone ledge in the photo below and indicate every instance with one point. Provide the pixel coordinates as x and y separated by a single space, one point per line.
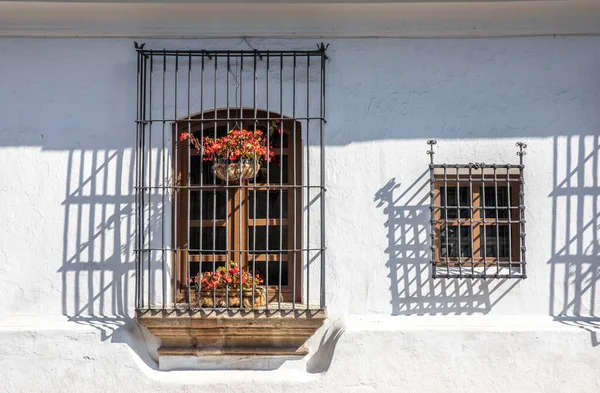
232 333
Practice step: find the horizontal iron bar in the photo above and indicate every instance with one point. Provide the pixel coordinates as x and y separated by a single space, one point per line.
274 186
230 53
465 179
475 207
225 119
215 251
185 307
478 166
488 221
469 275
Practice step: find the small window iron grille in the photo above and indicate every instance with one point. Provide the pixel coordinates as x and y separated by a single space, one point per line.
477 219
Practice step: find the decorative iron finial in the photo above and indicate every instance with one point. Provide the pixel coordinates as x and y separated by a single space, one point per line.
431 152
138 46
521 151
323 48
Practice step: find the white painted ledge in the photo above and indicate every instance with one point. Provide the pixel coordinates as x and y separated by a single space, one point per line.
352 322
304 18
471 323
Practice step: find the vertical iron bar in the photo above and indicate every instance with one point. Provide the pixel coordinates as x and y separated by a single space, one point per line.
177 182
227 246
446 204
137 183
280 181
189 180
509 210
164 189
214 231
523 247
308 182
254 190
459 226
483 230
268 187
243 244
497 219
150 286
201 169
143 176
432 236
280 176
323 190
295 191
471 213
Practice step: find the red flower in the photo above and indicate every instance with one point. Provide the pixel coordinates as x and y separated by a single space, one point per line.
183 136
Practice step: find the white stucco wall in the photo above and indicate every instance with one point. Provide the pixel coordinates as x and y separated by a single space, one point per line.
66 137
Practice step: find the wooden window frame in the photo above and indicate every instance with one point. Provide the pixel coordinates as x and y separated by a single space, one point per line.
239 197
476 259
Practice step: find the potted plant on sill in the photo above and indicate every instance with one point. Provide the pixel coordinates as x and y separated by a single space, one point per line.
237 156
221 288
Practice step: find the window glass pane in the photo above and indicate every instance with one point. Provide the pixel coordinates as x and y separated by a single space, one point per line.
206 267
276 166
490 201
273 277
276 200
209 131
277 238
209 200
452 243
276 139
207 239
453 202
205 167
491 245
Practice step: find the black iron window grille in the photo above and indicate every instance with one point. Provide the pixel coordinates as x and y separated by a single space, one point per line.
197 214
477 219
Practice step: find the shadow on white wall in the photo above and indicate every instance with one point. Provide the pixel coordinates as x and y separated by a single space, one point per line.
412 290
575 260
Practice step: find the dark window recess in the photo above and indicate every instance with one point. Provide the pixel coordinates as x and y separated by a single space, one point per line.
206 267
492 241
277 238
277 139
210 200
277 203
202 170
273 276
276 166
490 200
452 244
209 131
454 203
219 240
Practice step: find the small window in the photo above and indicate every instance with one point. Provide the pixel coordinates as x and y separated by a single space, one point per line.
478 228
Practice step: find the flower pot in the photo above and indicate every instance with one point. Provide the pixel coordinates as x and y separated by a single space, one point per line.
233 300
234 171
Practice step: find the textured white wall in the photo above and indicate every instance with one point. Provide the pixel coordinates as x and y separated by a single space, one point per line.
66 133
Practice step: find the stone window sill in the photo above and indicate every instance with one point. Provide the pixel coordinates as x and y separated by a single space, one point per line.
232 333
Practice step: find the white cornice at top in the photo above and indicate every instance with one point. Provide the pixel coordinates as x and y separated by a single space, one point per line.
298 18
278 1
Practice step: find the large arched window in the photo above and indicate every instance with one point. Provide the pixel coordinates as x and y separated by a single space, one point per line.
255 223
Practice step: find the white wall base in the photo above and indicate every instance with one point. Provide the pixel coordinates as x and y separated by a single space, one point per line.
257 363
372 354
